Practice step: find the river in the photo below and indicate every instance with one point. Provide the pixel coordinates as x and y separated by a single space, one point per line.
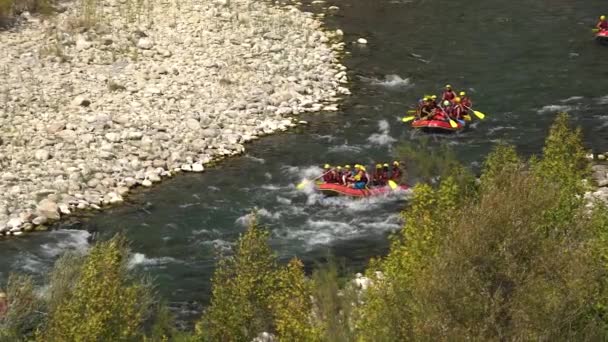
521 61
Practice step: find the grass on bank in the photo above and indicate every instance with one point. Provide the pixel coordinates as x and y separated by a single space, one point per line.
516 257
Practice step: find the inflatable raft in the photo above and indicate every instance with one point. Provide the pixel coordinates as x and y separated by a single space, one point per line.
332 189
438 126
602 36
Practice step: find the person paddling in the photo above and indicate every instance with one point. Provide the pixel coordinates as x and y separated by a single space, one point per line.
448 94
329 175
338 173
346 175
385 173
396 172
377 177
602 24
458 110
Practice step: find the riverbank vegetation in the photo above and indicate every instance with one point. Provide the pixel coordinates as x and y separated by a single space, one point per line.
516 255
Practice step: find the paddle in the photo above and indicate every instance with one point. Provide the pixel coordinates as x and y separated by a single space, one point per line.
392 184
480 115
452 122
306 181
408 118
595 30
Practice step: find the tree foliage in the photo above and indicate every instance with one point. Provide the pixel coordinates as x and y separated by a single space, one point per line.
243 285
104 304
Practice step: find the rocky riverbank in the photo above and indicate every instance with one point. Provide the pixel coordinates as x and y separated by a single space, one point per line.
112 94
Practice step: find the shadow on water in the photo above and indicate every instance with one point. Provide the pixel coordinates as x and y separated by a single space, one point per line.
522 62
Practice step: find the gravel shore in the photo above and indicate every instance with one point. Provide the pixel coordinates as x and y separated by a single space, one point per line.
109 95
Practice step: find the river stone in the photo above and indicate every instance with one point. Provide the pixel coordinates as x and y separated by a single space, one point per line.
193 124
64 208
39 220
48 209
81 101
362 41
197 167
68 135
55 127
113 137
209 133
145 43
146 183
42 155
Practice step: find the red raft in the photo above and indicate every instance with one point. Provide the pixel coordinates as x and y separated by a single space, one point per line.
332 189
437 126
602 36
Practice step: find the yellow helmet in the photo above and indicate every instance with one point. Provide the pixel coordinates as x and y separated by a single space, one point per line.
385 165
396 163
603 17
347 166
339 167
361 167
326 166
462 93
434 97
447 86
457 100
378 166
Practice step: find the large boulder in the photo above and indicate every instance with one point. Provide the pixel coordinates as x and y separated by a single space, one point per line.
48 209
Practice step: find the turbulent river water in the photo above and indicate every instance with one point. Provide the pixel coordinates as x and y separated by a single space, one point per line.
522 61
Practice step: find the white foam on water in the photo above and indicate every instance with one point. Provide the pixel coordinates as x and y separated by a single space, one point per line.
327 137
255 159
392 222
186 205
271 187
268 175
344 148
140 259
572 99
268 214
219 244
76 240
554 109
493 130
213 188
283 200
383 138
245 220
603 100
390 81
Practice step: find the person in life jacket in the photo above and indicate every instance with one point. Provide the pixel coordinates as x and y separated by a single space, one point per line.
457 109
433 101
377 177
346 175
396 172
465 101
338 173
448 94
603 23
427 109
385 173
328 174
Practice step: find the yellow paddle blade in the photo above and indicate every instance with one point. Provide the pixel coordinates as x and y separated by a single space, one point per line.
408 118
453 124
302 184
479 114
392 184
595 30
467 117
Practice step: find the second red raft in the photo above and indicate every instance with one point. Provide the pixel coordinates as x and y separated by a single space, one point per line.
333 189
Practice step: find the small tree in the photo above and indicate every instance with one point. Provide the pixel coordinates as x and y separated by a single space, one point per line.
292 305
242 288
105 304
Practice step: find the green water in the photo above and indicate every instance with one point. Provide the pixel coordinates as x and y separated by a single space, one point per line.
522 61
